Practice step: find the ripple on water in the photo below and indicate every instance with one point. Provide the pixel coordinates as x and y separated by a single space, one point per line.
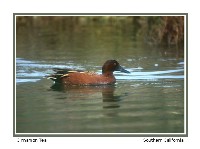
32 71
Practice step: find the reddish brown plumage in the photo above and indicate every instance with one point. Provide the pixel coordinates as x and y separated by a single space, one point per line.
78 78
69 77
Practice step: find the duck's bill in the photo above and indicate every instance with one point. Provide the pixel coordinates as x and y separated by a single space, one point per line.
123 70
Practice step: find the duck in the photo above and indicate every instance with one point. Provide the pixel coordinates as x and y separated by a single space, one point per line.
70 77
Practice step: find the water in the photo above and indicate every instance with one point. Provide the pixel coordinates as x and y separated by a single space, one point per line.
148 100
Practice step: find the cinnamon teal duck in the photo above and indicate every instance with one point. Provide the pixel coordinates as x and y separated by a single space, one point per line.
70 77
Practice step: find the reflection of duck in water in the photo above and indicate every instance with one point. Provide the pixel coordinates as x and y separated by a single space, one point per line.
110 100
69 77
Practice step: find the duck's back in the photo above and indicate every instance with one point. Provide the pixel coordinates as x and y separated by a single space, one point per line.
70 77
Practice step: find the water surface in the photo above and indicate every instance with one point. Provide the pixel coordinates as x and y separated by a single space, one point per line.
148 100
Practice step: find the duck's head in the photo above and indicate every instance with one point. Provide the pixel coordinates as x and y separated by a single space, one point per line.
112 65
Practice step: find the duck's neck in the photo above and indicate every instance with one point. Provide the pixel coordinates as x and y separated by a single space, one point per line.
107 74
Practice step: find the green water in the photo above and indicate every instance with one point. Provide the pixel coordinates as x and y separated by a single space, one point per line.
148 100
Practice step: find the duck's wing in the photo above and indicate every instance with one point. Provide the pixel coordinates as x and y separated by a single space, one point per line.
60 73
64 71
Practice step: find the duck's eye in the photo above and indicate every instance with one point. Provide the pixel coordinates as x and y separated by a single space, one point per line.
115 64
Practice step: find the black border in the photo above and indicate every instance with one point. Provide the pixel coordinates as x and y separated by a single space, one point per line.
103 134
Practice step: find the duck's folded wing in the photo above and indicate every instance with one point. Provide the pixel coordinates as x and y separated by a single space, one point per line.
64 71
60 73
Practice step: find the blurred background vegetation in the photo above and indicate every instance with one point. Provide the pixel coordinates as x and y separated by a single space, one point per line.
153 31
